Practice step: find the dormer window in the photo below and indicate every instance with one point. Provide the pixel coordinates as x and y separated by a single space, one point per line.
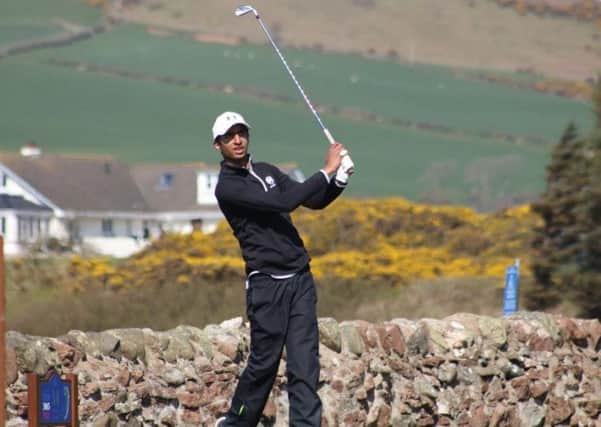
166 180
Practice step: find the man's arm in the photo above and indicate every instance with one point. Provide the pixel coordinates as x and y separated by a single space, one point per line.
235 191
319 200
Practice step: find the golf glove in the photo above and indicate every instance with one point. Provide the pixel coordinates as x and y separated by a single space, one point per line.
342 172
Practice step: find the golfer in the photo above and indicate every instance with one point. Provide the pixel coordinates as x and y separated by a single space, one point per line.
256 199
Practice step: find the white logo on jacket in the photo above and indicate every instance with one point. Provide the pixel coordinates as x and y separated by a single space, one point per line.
270 181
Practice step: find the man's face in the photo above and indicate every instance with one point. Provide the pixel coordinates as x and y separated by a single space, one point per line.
234 144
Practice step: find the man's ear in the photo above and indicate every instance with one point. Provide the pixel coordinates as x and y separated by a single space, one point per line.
217 146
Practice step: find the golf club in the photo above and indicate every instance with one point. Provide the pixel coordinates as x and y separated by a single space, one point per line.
347 163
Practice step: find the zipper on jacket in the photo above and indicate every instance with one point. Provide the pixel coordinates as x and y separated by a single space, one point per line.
252 172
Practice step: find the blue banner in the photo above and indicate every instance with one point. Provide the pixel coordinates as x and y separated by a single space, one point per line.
512 291
55 402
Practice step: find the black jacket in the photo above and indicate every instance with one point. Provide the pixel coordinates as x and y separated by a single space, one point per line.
257 201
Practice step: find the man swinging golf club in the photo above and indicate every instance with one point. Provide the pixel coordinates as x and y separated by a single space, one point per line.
256 199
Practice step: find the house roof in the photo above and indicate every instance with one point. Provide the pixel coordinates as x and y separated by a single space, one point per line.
93 183
103 183
179 195
8 201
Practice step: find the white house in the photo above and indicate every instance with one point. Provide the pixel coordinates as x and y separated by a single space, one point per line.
101 203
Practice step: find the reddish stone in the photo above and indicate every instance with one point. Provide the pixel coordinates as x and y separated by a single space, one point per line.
521 387
444 421
356 418
538 343
107 403
432 361
337 385
478 418
538 374
538 389
191 417
384 413
559 410
124 377
464 419
208 377
367 332
193 386
391 339
67 355
141 389
189 400
498 415
228 347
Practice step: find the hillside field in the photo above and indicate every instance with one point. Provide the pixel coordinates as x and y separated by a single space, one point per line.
424 132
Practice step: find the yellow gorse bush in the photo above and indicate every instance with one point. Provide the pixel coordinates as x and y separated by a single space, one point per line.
371 240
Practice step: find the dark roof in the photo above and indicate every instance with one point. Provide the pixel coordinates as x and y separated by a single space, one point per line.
98 183
8 201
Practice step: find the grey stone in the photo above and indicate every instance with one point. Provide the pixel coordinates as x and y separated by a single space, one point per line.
329 334
131 343
351 341
531 414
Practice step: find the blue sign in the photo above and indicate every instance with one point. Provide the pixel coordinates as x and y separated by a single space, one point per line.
512 291
55 401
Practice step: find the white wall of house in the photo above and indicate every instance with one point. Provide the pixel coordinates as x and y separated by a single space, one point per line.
206 182
21 229
58 229
9 231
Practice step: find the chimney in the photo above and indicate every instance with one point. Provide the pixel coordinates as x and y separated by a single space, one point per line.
30 149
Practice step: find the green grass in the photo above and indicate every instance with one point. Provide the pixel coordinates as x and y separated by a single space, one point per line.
22 20
417 93
143 121
68 109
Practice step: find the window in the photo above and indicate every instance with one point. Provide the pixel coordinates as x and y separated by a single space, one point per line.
4 180
2 225
107 227
166 180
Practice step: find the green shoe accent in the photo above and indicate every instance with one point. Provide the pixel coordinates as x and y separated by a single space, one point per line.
241 410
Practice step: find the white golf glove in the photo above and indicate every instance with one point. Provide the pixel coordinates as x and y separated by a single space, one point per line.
346 165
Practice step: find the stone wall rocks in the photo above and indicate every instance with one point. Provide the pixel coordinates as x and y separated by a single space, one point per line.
528 369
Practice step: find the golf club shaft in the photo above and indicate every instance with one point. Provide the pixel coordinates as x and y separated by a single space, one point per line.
347 162
296 83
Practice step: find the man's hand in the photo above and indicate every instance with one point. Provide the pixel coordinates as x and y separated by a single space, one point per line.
333 158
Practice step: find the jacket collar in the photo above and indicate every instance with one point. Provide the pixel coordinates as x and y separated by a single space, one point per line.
227 167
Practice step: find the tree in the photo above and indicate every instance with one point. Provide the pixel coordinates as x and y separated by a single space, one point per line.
567 247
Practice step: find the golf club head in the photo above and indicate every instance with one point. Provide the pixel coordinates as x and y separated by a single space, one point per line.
244 9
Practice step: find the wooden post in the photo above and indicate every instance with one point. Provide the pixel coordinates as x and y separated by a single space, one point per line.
2 337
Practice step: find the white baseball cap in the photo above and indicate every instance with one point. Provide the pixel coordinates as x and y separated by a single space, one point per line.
225 121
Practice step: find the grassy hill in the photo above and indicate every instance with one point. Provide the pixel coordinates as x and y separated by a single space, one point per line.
421 131
457 33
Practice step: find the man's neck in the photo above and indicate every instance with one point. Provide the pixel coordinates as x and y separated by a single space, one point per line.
240 164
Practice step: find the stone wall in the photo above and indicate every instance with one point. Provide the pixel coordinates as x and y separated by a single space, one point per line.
528 369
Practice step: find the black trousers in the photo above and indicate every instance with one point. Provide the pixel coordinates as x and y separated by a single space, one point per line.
282 312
